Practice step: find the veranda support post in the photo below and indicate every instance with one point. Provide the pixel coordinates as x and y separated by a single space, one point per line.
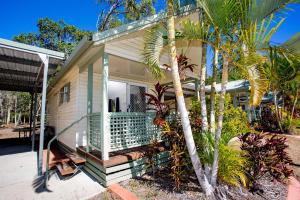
89 103
45 60
105 123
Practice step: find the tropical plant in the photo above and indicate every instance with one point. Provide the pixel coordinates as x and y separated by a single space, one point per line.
231 163
241 29
173 133
266 154
283 73
232 166
183 65
155 102
181 103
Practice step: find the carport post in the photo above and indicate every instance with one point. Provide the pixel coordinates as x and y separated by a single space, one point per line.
31 110
45 60
34 120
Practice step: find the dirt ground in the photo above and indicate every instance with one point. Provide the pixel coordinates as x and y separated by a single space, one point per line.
294 152
6 133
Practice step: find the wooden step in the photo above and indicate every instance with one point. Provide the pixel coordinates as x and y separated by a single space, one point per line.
77 159
65 169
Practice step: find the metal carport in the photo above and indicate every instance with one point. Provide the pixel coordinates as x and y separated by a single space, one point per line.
26 68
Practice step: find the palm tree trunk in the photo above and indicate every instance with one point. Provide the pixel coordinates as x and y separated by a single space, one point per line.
213 93
293 108
181 106
277 111
202 90
220 122
294 104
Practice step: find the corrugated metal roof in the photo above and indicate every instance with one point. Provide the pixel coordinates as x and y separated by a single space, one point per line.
20 65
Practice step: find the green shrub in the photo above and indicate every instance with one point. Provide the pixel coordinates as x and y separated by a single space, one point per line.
232 163
235 121
232 166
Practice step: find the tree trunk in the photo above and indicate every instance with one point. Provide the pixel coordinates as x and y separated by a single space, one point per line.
293 108
220 121
213 93
277 111
8 114
181 106
202 90
294 104
16 102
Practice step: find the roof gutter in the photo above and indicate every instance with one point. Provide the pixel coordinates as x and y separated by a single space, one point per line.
102 37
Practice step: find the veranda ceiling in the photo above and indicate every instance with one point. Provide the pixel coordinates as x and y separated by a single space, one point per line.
20 66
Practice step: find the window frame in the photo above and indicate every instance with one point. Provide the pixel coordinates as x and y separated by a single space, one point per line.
64 94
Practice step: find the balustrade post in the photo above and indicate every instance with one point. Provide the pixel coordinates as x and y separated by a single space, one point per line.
105 117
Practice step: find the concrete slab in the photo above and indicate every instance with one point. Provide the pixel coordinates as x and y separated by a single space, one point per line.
18 169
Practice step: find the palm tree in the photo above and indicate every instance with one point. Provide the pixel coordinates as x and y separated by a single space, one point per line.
181 103
253 34
232 29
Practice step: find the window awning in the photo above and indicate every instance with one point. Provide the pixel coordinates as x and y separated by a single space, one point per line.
21 66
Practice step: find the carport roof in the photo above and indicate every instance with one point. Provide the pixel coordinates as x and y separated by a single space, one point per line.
21 66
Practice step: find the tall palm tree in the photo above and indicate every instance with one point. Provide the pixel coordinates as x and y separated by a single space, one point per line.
253 33
152 51
214 84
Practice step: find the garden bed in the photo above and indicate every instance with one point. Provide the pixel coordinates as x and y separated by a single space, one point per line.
162 187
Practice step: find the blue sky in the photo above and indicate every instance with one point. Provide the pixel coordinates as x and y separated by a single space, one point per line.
20 16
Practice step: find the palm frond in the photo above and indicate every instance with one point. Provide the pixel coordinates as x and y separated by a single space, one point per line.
252 69
195 31
257 35
292 45
153 46
222 14
257 10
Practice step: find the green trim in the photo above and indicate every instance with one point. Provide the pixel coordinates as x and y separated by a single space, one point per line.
115 174
89 102
104 120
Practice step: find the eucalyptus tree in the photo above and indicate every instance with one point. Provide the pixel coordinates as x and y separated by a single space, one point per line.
117 12
54 35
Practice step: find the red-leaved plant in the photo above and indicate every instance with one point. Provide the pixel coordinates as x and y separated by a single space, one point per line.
266 153
183 65
155 103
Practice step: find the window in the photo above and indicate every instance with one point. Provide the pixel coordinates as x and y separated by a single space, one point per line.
64 94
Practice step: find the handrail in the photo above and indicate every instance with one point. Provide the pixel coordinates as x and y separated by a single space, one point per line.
54 138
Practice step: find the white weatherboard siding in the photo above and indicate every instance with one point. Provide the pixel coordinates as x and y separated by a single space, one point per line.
63 115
